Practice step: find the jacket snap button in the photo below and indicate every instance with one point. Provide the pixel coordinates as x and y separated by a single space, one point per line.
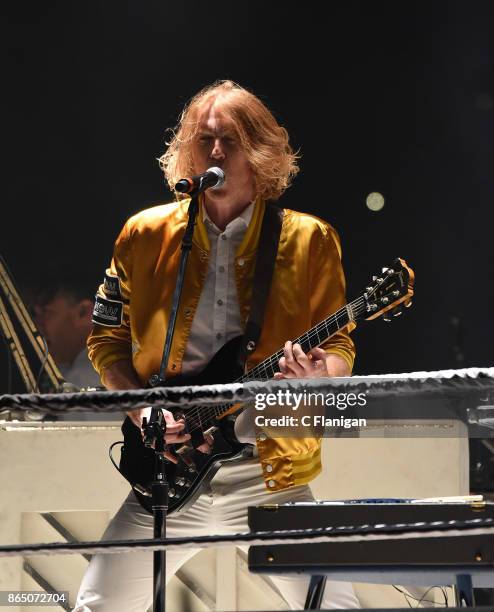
269 468
241 261
262 437
271 483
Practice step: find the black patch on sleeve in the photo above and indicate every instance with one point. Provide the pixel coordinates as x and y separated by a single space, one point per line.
107 312
111 287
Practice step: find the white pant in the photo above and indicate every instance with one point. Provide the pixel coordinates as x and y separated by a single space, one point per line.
123 582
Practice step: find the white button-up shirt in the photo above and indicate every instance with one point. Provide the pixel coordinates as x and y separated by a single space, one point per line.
217 318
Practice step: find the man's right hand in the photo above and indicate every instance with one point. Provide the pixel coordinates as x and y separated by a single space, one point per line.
173 427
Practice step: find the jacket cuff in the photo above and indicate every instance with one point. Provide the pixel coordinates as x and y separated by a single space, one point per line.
102 362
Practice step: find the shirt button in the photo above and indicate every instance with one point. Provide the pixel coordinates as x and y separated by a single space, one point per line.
220 302
241 261
221 269
223 237
219 336
271 483
269 468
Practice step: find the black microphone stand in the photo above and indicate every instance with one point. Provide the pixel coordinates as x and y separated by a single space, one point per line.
154 433
155 428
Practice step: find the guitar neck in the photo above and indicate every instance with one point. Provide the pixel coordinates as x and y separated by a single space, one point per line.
316 336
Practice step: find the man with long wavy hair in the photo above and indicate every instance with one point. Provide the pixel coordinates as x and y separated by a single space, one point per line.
226 126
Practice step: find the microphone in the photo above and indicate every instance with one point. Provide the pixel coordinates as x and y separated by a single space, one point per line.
213 177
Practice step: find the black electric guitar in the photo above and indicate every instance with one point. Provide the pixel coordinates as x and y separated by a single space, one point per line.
385 296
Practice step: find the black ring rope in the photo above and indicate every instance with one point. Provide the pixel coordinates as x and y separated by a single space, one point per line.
459 386
483 526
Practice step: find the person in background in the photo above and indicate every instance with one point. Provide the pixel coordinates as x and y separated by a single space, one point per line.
63 308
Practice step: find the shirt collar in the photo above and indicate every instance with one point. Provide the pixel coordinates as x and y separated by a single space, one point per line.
239 223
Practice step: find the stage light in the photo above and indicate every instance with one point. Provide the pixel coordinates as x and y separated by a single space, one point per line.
375 201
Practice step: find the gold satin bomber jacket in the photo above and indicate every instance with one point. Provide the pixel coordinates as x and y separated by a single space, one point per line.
308 285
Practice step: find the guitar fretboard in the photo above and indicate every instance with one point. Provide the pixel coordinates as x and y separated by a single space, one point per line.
309 340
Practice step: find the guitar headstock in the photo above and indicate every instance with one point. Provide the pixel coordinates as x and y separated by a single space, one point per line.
389 292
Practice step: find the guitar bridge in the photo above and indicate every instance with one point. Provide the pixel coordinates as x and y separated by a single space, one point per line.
186 454
211 430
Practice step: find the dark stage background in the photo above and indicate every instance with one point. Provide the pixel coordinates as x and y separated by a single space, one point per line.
394 97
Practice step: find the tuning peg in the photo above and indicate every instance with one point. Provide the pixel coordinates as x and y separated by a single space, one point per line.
389 271
396 312
408 304
386 317
384 300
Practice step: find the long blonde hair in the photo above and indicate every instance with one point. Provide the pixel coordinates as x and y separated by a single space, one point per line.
263 140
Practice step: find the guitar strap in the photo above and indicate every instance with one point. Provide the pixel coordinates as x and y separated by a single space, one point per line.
263 274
